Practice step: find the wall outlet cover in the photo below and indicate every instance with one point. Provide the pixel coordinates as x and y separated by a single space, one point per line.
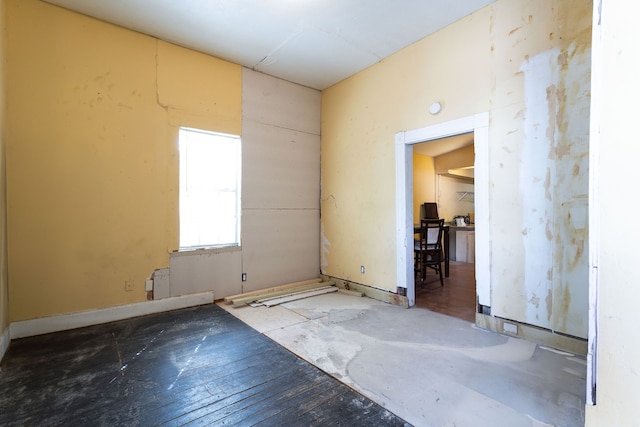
510 328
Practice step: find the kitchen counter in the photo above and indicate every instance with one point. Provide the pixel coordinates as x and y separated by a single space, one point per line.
468 227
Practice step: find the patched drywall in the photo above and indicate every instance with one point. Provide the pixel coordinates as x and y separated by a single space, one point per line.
280 181
540 174
217 270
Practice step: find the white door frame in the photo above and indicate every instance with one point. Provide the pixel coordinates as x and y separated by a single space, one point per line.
479 125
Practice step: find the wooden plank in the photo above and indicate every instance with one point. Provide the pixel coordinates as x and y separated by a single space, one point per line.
300 295
273 289
252 298
352 293
375 293
298 291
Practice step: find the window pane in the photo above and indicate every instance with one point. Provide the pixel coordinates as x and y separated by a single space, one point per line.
209 188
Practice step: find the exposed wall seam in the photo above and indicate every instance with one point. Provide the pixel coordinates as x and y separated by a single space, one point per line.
156 80
280 127
280 209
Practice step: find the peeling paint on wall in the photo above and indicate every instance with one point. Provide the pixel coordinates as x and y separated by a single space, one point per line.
537 177
553 183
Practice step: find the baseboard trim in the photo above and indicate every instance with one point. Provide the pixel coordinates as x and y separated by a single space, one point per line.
5 339
532 333
61 322
383 295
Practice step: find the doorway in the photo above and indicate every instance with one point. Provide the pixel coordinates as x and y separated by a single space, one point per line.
443 173
479 125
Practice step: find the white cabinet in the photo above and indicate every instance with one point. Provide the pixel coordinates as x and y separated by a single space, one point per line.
463 244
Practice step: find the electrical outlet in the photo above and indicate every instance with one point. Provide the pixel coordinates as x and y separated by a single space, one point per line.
148 285
244 277
510 328
362 269
129 285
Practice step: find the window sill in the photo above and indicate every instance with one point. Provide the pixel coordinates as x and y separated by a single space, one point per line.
205 251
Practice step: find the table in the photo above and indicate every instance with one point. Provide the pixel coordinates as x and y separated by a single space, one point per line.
445 245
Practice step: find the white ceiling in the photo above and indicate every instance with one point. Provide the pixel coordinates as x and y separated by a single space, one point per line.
316 43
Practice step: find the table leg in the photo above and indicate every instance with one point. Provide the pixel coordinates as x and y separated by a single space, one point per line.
446 252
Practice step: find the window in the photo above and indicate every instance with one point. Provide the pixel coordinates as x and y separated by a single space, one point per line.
209 189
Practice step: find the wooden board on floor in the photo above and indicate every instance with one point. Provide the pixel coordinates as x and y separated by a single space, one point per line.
272 289
252 298
297 296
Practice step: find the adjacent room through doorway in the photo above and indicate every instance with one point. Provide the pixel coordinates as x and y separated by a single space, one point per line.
424 180
443 175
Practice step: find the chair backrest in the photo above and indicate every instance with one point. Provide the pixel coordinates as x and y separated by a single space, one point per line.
431 232
429 211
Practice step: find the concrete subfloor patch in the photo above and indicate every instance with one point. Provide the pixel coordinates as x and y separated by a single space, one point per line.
428 368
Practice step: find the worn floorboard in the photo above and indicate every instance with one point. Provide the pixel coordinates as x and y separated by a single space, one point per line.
197 366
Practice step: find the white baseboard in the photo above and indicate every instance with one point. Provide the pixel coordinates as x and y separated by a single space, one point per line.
45 325
532 333
5 338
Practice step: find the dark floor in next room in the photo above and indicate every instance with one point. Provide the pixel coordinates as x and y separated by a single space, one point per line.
198 366
457 298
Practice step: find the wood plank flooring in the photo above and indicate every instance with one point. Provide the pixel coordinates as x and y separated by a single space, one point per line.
456 298
198 366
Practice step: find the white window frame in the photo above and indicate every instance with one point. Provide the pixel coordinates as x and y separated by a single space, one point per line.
192 224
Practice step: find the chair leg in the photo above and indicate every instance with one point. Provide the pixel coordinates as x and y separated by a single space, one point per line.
440 274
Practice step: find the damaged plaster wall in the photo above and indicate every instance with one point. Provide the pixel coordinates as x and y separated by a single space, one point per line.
539 161
527 64
92 167
280 196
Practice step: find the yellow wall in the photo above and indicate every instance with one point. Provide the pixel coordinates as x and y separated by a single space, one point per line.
92 154
424 183
360 117
4 290
495 61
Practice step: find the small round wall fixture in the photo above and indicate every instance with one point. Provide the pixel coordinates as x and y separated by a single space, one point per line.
435 108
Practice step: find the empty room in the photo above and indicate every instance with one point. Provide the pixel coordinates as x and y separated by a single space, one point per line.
216 212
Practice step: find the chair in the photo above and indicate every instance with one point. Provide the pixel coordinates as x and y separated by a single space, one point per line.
429 211
428 248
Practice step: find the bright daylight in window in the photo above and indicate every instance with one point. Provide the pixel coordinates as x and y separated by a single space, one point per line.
209 189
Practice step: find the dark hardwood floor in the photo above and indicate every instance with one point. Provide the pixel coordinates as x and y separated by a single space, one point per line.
456 298
198 366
